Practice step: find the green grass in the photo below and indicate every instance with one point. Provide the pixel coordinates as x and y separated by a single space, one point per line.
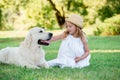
104 65
104 43
11 42
94 42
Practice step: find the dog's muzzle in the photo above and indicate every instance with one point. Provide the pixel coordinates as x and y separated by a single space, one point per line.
45 42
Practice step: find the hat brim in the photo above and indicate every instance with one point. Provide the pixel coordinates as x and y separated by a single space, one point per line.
73 22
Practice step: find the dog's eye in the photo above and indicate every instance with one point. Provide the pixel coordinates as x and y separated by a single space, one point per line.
40 31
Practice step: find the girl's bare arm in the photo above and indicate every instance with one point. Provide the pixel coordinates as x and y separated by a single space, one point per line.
87 51
58 37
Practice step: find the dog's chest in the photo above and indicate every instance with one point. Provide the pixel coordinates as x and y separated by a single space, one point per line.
37 56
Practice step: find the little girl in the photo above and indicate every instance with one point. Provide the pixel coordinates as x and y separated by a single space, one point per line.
74 51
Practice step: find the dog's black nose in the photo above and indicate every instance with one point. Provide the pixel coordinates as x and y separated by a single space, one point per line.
50 34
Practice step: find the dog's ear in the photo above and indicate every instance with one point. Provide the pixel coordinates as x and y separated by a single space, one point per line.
28 40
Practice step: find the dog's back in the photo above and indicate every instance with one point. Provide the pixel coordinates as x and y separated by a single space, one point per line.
9 55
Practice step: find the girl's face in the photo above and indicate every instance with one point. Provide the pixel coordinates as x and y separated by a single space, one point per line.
71 28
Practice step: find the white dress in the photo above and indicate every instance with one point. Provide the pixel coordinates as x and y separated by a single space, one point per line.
70 48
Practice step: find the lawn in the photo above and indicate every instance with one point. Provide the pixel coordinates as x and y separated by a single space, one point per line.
104 65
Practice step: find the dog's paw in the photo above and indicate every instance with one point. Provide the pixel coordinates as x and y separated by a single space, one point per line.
32 67
47 66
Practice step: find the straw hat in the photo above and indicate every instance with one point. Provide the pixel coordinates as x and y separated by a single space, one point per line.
75 19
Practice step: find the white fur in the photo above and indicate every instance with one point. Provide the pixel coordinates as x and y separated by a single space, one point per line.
29 53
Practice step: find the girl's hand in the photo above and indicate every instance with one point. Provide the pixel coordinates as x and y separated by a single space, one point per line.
77 59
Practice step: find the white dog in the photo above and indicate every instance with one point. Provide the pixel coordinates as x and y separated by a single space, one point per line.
30 52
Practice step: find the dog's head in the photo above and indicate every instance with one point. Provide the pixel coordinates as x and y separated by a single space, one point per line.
38 36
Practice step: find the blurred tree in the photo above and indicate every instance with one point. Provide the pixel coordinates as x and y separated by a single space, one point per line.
0 18
60 18
110 8
76 6
24 14
11 10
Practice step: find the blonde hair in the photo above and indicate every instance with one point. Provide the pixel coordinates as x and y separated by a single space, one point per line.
80 32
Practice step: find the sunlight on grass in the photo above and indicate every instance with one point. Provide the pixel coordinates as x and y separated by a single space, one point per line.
13 34
105 51
8 34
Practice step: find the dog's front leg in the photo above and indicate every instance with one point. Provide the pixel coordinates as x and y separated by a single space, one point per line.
44 64
33 67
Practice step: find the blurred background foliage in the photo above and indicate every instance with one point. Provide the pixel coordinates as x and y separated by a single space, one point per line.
102 15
